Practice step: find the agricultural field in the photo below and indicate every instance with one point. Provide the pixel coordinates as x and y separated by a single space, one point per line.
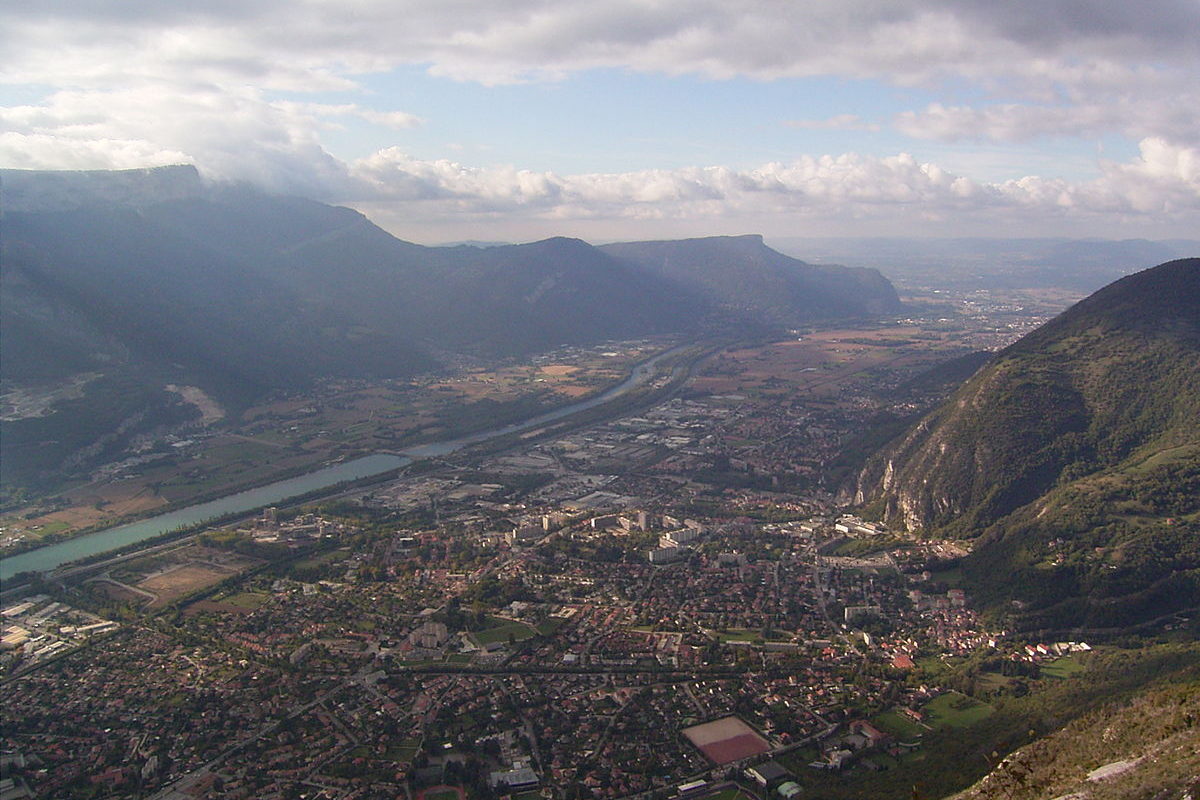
247 600
180 581
117 592
297 433
825 364
161 579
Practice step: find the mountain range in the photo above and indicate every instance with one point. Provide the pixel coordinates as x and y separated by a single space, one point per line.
154 277
1072 459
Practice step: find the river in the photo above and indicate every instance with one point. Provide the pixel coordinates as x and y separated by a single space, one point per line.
47 558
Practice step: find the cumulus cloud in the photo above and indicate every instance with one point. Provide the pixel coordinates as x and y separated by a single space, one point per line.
1164 181
143 82
277 43
1062 66
230 134
1177 118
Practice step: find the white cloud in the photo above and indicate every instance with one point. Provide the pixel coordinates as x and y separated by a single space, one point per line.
396 120
232 134
1061 68
281 44
46 151
1176 117
1163 182
144 82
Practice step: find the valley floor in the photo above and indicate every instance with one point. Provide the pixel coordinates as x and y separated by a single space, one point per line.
565 616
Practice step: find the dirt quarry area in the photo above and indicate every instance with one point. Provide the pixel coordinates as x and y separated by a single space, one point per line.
189 571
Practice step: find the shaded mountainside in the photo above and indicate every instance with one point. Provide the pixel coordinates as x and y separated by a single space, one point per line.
497 301
151 277
742 275
1074 456
255 291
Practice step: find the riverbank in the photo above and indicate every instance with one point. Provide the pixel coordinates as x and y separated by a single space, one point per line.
638 387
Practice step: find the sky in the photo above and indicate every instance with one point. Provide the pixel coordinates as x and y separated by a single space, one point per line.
513 120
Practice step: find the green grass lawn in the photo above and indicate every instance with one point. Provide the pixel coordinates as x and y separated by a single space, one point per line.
441 794
798 760
954 710
898 725
250 600
550 625
928 662
459 658
520 632
991 681
952 577
1170 455
321 559
1063 667
401 755
175 700
51 527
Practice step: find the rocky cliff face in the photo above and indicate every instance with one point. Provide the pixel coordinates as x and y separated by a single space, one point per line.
997 444
1073 458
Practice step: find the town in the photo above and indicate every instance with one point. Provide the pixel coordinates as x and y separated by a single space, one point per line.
666 603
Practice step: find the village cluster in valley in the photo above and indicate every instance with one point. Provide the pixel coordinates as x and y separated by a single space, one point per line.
666 603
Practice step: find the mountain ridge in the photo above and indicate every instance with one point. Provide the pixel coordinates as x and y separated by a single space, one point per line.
1072 458
152 277
768 280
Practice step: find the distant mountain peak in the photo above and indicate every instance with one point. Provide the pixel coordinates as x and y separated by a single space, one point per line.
558 242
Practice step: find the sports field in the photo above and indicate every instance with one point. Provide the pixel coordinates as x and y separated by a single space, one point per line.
726 740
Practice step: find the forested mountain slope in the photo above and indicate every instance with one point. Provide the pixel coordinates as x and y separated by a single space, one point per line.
1073 456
